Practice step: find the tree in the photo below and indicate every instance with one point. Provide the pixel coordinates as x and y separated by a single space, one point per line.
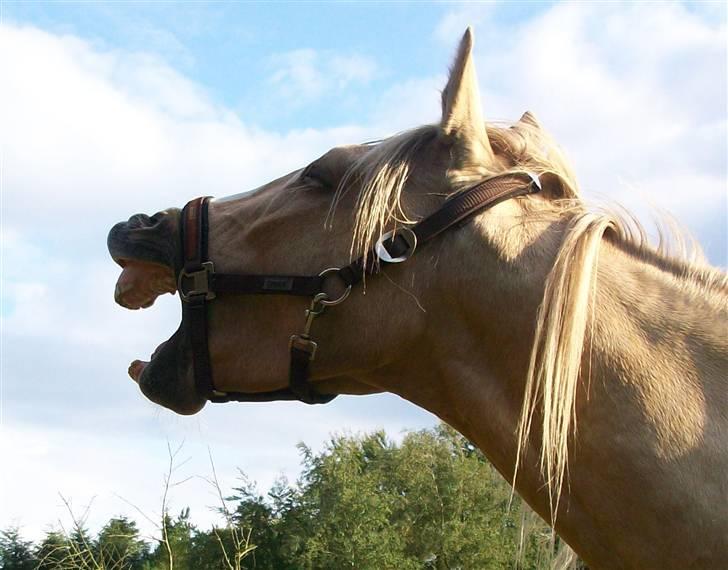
82 553
364 502
455 513
432 501
53 552
119 546
15 553
173 549
350 505
257 519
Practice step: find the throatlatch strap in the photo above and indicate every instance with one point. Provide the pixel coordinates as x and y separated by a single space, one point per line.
476 199
484 195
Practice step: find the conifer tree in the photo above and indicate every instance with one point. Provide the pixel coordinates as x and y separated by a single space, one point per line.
15 552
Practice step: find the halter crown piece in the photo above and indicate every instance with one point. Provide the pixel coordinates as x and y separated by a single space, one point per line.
198 283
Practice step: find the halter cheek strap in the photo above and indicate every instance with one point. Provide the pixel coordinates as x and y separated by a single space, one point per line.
198 283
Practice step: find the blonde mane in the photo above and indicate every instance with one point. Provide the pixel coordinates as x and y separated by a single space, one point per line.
382 174
562 324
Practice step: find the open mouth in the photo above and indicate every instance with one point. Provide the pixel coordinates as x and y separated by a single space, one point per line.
146 249
138 286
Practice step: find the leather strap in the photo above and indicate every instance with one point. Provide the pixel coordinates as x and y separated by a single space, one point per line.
194 237
206 283
298 379
194 308
303 285
455 210
194 231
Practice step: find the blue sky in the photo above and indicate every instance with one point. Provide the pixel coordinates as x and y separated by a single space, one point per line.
108 109
231 48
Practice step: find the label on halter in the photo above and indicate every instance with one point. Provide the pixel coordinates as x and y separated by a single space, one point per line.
278 283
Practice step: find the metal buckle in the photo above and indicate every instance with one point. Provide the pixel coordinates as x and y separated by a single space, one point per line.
381 251
200 282
303 343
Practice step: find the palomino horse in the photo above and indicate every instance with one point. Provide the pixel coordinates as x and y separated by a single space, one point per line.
529 313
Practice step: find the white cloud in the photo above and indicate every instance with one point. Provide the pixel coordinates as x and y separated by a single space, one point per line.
297 71
305 74
109 470
89 136
353 68
409 103
636 94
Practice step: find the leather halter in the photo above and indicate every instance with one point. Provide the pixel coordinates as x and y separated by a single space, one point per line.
198 282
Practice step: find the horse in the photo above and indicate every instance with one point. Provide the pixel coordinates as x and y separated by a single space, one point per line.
530 312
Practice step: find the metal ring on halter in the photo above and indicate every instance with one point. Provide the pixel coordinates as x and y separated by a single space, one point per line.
535 179
409 237
326 302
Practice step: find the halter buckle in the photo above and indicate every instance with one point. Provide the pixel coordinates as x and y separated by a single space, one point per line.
200 282
382 252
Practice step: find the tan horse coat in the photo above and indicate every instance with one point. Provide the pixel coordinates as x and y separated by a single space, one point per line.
589 368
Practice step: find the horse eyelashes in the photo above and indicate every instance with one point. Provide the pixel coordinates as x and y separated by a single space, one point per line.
312 177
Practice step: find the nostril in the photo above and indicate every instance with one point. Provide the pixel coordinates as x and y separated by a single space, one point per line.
153 239
139 221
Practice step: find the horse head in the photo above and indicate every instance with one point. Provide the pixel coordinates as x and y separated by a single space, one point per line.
323 216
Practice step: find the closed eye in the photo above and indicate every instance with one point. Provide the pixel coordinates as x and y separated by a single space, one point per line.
312 177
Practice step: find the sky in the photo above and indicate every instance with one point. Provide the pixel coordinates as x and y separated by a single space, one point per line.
107 109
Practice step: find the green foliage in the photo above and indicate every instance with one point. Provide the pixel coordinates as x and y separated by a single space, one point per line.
348 499
15 553
175 544
53 551
119 546
431 502
363 502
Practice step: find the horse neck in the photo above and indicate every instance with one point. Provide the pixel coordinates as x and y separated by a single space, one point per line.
651 398
652 437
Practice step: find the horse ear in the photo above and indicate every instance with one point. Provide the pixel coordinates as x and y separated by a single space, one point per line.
528 119
462 119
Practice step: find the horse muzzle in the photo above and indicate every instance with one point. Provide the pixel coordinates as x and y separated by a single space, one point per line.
148 250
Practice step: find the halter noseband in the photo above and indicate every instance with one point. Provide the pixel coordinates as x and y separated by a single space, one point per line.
198 282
